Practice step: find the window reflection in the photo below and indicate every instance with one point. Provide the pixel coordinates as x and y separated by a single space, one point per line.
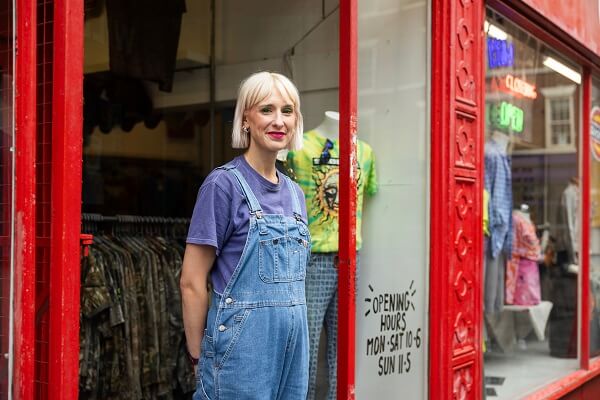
531 213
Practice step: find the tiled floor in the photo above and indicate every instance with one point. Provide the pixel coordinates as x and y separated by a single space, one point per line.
523 371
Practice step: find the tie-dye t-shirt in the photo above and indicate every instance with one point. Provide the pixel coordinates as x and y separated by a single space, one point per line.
318 178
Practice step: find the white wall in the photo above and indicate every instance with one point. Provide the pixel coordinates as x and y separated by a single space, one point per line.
393 115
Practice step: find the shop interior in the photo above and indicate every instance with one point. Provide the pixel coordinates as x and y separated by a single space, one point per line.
159 94
531 213
147 150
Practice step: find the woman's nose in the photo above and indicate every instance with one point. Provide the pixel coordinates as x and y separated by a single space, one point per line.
278 121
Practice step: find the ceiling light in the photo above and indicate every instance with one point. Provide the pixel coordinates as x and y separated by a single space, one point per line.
562 69
493 31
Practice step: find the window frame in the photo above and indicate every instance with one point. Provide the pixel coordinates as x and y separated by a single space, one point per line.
555 93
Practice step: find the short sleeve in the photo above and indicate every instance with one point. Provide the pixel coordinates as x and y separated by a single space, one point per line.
211 222
371 187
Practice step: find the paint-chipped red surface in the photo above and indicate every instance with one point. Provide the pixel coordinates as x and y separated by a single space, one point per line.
579 18
6 184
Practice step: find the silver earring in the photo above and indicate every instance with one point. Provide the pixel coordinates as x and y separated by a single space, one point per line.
245 129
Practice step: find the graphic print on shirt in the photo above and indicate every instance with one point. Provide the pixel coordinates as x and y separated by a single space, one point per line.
326 179
318 175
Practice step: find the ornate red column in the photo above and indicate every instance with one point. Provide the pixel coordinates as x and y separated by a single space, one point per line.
457 104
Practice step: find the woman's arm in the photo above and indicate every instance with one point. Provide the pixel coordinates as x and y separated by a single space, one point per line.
197 262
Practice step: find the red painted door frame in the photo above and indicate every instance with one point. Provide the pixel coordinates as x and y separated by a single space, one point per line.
25 145
347 211
456 183
67 144
585 207
457 99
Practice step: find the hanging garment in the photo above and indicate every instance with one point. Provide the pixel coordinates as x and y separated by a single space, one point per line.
523 285
255 345
528 290
499 186
567 226
317 173
132 339
143 38
493 294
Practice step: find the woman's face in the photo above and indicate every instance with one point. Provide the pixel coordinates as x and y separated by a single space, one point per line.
271 123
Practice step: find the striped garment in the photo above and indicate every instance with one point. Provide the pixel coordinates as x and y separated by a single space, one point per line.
498 183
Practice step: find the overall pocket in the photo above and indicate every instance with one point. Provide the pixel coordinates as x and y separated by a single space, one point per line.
282 259
205 374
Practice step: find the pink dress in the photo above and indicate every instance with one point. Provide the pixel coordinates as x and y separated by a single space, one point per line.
522 274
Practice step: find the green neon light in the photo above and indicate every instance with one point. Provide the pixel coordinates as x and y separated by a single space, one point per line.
505 116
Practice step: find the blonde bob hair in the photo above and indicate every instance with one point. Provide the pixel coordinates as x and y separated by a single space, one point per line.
255 89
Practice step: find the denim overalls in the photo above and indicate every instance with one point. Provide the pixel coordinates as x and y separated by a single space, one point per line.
255 346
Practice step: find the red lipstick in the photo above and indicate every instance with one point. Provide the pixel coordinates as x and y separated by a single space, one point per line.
276 135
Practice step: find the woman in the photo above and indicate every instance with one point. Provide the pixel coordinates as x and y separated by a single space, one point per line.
249 232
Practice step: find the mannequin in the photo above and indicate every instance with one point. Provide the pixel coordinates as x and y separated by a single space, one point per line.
522 212
330 126
524 209
316 168
522 274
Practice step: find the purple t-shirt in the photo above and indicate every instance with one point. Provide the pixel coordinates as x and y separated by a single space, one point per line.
221 215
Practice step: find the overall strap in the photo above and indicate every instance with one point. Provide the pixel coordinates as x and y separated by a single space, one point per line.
248 193
295 202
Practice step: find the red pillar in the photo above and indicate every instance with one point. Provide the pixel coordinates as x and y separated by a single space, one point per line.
24 253
67 101
347 210
584 256
457 104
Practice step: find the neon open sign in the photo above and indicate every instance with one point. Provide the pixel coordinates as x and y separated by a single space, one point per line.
500 53
505 116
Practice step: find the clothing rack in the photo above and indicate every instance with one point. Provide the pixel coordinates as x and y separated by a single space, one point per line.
132 219
132 343
134 224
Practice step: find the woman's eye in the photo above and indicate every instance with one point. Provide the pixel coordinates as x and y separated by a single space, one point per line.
265 110
287 110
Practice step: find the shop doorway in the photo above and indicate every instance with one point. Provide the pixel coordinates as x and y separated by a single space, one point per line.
148 143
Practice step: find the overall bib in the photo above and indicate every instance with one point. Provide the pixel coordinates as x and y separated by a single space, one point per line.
255 346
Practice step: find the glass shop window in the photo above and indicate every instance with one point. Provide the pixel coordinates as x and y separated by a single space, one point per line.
531 212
